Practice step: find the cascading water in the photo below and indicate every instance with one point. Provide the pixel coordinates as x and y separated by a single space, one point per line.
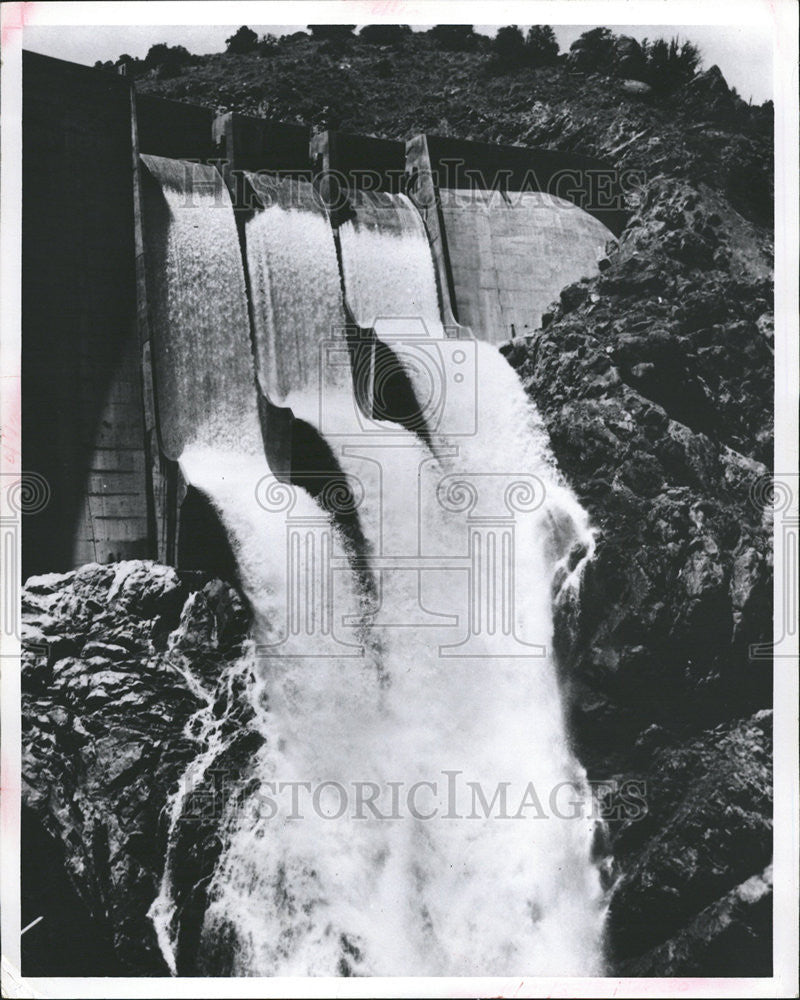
197 303
203 374
418 808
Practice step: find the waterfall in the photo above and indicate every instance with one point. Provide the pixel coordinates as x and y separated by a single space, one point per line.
198 305
417 808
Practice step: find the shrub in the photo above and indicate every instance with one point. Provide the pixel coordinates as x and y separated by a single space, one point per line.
455 37
669 65
384 34
509 46
665 66
541 45
167 60
331 32
267 45
242 41
296 36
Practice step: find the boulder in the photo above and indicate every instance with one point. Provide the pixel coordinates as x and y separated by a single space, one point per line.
636 88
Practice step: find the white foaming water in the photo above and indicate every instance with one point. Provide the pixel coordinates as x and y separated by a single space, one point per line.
197 305
388 270
438 896
403 892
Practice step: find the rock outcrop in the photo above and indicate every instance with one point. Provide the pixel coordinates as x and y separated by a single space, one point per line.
118 662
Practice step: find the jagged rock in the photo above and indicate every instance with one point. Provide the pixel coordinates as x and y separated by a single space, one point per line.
710 94
731 937
629 60
115 662
694 864
573 295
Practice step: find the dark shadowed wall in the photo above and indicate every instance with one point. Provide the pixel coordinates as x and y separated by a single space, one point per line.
81 388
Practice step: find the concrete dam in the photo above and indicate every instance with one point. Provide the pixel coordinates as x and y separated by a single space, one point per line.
136 334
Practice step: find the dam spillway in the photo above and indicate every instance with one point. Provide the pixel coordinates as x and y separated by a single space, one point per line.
428 628
499 259
202 365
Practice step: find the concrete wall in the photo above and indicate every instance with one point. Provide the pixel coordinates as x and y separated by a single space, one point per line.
169 128
255 144
511 256
81 391
365 162
458 164
504 242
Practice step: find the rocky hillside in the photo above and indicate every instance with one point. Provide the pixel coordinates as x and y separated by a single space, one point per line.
701 130
655 382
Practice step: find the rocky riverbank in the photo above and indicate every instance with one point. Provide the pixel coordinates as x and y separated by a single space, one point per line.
655 383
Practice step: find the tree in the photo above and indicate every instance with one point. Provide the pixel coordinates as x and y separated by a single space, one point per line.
541 45
594 51
455 37
167 60
669 65
242 41
384 34
267 45
509 46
